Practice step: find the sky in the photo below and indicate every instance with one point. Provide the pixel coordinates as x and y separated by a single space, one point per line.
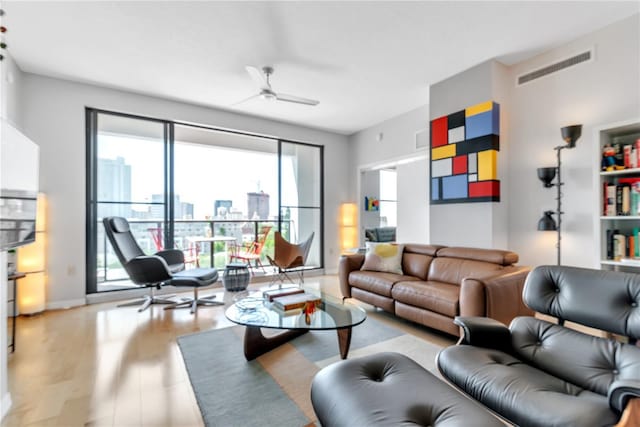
203 173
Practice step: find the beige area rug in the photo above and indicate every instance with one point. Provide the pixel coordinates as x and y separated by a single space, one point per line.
276 386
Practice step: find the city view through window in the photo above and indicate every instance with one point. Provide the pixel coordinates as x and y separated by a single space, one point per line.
218 191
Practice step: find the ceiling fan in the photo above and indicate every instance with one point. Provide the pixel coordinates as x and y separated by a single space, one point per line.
261 79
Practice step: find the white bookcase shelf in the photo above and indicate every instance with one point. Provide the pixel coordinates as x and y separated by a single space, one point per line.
622 133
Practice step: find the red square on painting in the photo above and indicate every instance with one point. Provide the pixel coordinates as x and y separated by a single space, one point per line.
439 132
460 165
484 189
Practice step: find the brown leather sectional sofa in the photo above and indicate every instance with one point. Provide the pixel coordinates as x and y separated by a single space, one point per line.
440 283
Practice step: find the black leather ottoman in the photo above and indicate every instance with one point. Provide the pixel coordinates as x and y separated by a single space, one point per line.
389 389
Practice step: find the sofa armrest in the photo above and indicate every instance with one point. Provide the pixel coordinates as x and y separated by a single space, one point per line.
346 265
484 332
498 296
620 391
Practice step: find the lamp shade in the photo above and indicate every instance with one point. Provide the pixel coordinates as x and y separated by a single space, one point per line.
570 134
546 175
348 226
547 223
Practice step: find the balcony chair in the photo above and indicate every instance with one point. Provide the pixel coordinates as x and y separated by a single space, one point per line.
252 251
191 254
154 271
289 257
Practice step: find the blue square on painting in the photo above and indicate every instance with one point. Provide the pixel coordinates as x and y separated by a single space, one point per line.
454 187
435 188
487 123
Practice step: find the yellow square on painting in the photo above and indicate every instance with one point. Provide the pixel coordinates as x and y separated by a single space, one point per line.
478 108
443 152
487 165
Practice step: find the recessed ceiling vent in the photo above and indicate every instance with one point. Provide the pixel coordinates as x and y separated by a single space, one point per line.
553 68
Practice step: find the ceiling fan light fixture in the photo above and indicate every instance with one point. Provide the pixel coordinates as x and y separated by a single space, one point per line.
269 96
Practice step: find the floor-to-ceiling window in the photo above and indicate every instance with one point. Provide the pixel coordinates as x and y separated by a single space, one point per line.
301 195
208 192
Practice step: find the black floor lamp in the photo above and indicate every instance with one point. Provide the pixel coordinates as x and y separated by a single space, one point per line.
570 134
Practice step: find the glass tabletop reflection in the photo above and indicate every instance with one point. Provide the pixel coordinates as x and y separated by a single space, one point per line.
331 313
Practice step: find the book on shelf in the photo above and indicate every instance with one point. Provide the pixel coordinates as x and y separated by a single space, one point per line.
270 294
621 246
289 302
622 198
610 200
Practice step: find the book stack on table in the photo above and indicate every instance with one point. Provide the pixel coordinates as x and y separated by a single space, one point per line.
271 294
295 303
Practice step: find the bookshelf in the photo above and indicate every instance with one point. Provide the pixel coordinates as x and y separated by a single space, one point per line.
618 200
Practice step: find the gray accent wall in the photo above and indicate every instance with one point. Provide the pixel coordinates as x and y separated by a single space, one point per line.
472 224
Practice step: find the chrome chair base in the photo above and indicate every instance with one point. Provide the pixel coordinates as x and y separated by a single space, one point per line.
194 302
147 300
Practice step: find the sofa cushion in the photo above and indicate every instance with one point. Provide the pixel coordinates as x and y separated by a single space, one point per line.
494 256
373 281
384 257
589 362
416 265
453 270
435 296
522 393
576 294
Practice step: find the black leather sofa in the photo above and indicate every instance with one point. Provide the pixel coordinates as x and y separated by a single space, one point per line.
538 373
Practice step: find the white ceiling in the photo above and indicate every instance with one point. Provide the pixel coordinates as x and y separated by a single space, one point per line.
364 61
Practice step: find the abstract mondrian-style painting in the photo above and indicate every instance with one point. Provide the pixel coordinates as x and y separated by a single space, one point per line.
464 155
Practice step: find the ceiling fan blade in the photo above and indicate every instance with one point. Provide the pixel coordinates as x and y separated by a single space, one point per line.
258 77
296 99
244 100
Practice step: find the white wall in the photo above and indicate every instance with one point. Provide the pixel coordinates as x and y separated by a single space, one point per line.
54 117
595 93
413 202
396 146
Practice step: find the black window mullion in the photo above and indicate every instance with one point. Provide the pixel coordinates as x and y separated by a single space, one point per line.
280 186
91 248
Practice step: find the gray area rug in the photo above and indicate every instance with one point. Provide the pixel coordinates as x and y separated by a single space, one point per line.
233 392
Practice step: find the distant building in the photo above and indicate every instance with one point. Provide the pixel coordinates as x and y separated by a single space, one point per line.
114 185
258 205
225 204
186 210
181 210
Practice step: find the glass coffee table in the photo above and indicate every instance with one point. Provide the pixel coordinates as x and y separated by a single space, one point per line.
256 313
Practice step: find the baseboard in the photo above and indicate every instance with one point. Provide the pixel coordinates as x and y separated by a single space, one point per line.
59 305
5 405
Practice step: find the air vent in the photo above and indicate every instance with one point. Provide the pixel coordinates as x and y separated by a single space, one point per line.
553 68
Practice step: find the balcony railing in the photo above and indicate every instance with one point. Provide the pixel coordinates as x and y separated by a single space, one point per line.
150 236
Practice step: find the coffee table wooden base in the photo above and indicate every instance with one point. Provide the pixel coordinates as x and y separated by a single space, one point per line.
256 344
344 341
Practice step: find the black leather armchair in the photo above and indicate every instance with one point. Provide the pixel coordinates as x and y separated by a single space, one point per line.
153 271
538 373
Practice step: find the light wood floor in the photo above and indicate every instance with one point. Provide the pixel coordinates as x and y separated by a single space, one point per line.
100 365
